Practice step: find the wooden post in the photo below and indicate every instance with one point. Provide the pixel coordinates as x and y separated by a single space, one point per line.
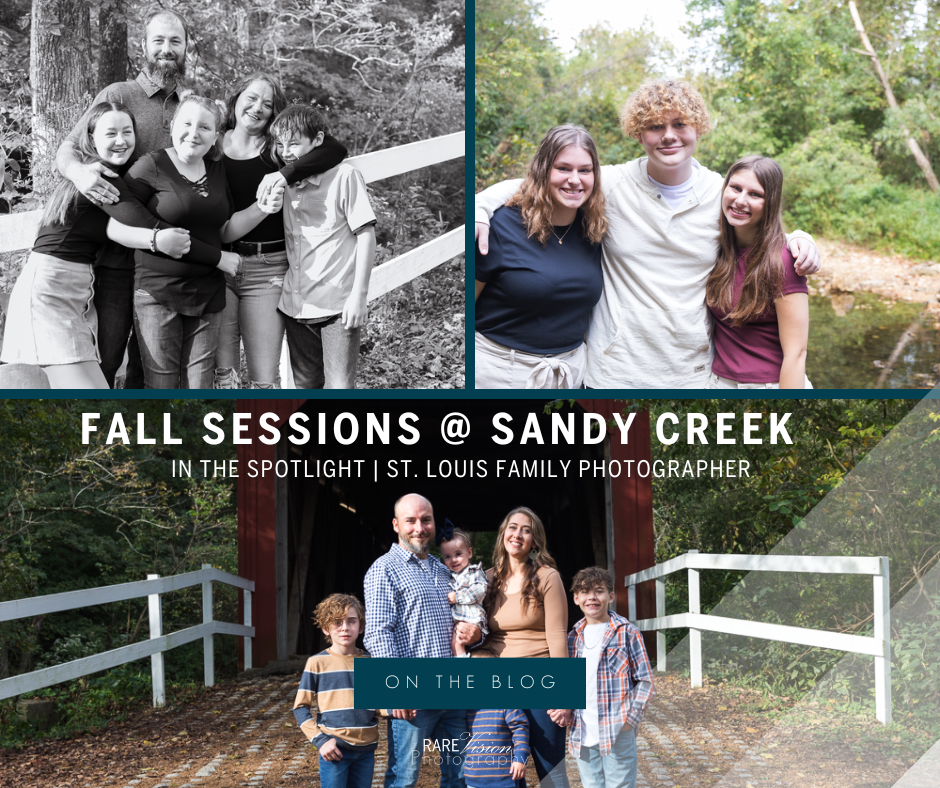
246 604
155 614
660 634
882 610
695 635
208 645
281 557
609 517
631 604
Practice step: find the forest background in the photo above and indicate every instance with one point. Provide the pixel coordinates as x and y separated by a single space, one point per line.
391 72
784 78
76 516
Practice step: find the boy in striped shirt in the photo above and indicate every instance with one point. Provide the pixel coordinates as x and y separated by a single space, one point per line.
619 685
345 737
498 749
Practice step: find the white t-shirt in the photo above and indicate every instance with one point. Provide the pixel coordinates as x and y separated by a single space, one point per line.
593 636
675 196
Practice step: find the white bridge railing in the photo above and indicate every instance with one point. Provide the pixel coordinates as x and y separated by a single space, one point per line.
158 643
877 646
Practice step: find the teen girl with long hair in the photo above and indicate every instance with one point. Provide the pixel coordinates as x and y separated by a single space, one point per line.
52 320
759 302
536 287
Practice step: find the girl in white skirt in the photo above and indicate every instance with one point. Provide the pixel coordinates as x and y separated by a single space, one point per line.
51 321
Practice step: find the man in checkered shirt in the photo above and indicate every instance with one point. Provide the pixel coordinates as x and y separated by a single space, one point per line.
408 615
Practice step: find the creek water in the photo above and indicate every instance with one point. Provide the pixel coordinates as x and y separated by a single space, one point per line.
852 338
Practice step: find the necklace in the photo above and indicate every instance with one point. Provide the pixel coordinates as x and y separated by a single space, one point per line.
563 234
597 642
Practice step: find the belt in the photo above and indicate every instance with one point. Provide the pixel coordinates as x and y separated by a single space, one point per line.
251 248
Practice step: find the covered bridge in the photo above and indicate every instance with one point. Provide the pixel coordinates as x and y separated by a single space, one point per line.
301 538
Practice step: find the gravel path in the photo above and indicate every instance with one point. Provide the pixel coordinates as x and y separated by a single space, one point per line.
243 734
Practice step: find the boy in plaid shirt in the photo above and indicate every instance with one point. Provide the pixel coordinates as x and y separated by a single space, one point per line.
619 685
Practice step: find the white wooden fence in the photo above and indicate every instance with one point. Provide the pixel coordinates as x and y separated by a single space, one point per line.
877 646
159 641
18 230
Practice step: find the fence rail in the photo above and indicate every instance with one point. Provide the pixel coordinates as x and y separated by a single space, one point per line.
18 230
152 588
877 646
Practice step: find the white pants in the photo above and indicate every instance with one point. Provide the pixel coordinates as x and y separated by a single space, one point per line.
500 367
716 382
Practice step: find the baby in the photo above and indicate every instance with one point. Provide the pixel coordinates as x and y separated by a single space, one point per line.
467 581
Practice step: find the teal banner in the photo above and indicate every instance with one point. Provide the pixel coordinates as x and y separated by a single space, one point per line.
469 683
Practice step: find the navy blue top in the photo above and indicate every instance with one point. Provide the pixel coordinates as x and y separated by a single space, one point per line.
537 299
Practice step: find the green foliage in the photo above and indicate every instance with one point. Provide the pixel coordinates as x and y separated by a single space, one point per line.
914 676
524 86
94 702
782 79
740 129
750 514
884 501
823 172
514 63
833 187
80 516
920 118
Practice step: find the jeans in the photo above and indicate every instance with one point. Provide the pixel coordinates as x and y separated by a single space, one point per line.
353 771
323 355
617 769
406 746
114 303
251 298
547 744
178 350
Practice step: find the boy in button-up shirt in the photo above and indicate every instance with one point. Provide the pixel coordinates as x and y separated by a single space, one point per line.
619 685
329 230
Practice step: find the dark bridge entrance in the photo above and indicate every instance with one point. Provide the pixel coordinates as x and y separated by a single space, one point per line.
303 538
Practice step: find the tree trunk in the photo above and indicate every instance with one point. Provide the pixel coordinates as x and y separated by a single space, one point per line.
60 70
922 161
242 29
112 54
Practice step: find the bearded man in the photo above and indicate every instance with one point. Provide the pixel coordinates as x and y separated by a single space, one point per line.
152 98
408 615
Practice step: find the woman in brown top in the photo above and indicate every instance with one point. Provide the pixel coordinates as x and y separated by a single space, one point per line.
527 615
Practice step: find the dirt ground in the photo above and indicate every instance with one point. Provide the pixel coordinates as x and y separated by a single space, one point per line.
847 269
243 734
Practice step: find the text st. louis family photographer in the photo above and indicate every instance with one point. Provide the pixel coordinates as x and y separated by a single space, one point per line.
205 224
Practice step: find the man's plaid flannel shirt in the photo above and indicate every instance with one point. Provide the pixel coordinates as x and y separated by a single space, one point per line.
624 681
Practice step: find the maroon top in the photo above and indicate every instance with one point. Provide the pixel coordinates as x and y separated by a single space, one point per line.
752 353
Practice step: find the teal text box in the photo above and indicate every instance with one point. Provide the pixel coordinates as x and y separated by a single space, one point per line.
469 683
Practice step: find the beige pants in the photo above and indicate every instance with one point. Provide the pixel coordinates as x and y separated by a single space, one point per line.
716 382
500 367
